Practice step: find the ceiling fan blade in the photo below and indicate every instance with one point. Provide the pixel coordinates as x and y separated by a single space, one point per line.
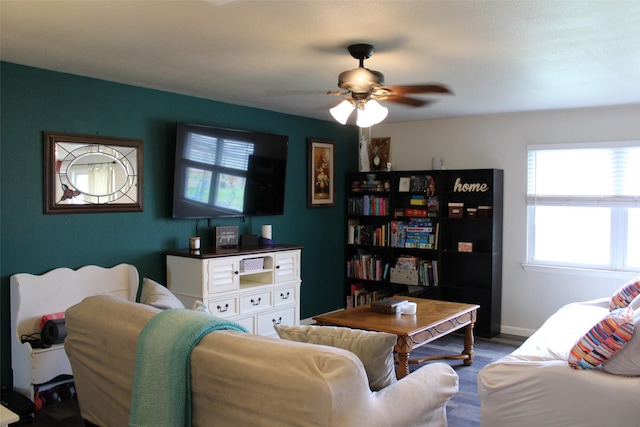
427 88
406 100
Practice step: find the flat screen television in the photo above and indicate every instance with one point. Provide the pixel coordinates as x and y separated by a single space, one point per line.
226 173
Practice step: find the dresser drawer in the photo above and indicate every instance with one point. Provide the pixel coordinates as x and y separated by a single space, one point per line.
283 316
224 307
255 302
248 322
284 296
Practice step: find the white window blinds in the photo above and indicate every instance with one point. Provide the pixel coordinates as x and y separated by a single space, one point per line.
219 152
586 174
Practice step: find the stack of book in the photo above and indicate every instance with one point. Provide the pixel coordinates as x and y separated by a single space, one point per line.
419 233
368 205
428 272
361 296
366 266
366 235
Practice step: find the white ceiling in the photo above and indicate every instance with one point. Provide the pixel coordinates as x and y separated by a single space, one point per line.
497 56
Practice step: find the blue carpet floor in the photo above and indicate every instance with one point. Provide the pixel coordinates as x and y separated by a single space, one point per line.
463 409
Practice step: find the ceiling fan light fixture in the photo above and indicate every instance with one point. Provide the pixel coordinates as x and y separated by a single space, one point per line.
342 111
371 113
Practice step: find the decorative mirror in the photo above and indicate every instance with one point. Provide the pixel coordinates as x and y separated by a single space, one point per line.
86 173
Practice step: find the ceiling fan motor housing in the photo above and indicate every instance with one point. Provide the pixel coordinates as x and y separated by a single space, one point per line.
360 80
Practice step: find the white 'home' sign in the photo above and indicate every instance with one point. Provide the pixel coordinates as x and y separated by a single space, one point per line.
474 187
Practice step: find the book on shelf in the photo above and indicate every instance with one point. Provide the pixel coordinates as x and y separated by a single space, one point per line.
405 184
366 267
367 235
360 296
417 233
427 273
368 205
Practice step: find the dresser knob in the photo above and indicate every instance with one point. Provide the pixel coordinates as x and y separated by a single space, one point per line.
223 309
283 296
256 302
277 322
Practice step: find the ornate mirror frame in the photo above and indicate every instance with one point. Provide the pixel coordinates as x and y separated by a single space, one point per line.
87 173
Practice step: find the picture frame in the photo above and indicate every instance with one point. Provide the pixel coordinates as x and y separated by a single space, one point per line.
321 173
379 153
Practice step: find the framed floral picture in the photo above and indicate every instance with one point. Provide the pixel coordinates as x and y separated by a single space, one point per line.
379 153
321 183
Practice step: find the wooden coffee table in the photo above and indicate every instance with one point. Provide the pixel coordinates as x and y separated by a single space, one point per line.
433 319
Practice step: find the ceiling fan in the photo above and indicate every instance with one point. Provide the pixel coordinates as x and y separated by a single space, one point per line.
365 87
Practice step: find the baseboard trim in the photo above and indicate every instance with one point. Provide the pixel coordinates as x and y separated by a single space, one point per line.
520 332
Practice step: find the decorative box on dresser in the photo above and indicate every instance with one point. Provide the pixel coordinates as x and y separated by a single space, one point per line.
255 287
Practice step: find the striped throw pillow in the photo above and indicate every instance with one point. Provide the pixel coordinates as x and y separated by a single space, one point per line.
623 296
604 340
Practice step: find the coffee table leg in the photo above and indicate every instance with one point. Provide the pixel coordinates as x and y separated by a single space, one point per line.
403 365
468 345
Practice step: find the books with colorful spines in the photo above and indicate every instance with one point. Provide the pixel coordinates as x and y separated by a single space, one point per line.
366 205
360 297
355 287
397 234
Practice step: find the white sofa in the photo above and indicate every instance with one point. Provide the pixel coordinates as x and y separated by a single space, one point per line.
246 380
535 386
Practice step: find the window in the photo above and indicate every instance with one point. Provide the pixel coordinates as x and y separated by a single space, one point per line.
583 205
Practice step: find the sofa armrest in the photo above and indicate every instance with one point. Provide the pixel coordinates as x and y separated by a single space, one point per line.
419 399
598 302
531 392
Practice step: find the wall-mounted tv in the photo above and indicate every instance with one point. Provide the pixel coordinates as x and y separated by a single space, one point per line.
226 173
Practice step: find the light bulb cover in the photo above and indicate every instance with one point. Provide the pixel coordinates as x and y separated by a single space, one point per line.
371 113
342 111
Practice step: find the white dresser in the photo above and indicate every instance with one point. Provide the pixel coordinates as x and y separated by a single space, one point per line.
256 287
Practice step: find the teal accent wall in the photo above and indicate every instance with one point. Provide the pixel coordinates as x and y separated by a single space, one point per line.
35 100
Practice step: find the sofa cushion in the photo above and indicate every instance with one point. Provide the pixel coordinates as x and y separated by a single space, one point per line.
156 295
603 340
623 296
374 349
627 361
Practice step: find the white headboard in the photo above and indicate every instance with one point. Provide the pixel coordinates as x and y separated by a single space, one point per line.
34 296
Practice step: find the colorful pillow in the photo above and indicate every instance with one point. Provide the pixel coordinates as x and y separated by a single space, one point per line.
635 305
623 296
603 341
627 361
156 295
374 349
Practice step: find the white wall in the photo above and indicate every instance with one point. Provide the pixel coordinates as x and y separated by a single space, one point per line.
500 141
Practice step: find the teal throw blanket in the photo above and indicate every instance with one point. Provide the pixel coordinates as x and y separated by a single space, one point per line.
161 382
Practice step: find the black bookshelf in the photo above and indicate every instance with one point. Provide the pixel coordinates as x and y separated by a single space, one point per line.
454 224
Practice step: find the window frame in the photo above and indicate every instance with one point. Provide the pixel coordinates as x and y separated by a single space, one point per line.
619 208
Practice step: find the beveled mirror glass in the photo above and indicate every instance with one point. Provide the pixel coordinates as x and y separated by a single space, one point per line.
86 173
